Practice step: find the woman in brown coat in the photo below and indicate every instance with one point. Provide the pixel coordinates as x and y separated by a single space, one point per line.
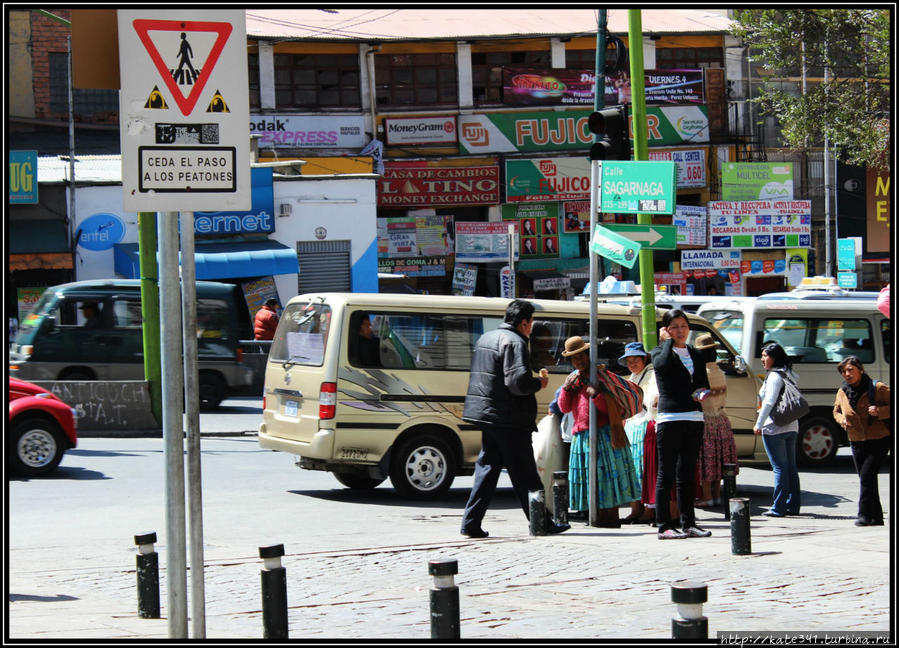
869 435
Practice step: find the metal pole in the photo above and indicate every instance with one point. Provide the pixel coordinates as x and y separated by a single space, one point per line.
689 597
560 497
149 306
730 487
192 405
444 600
172 424
537 512
72 228
511 231
274 593
740 541
828 268
641 152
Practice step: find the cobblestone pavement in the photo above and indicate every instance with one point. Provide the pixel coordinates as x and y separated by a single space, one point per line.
803 575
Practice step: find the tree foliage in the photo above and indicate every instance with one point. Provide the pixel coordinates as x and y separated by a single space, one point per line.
853 108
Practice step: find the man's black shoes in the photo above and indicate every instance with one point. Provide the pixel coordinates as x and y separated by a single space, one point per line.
475 533
552 527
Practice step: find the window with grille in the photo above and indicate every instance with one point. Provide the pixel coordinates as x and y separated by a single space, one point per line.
87 102
305 81
486 71
689 58
415 79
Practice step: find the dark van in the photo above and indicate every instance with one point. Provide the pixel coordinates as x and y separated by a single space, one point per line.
92 330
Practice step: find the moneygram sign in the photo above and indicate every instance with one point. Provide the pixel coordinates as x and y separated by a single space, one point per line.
421 130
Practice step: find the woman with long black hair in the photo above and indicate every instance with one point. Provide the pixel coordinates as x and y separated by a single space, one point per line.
779 440
683 384
860 408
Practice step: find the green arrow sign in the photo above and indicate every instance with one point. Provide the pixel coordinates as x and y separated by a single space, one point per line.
654 237
637 187
614 247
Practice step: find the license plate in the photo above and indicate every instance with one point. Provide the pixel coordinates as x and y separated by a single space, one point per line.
290 408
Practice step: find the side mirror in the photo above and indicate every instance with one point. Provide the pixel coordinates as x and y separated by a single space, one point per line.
48 325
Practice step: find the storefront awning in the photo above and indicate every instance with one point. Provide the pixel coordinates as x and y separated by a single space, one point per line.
41 261
547 279
222 260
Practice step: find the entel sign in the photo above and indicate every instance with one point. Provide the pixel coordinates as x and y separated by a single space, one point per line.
184 110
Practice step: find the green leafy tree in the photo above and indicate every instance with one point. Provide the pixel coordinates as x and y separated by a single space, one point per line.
852 109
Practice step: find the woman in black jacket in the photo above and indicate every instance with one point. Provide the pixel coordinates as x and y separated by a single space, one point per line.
683 383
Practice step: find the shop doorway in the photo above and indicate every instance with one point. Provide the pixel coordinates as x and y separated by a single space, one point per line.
756 286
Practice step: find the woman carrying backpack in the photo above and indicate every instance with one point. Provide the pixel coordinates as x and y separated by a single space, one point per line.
779 440
860 408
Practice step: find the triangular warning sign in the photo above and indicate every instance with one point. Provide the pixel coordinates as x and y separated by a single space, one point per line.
218 103
156 100
183 71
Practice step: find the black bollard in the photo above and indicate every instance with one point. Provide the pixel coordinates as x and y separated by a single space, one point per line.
730 487
740 542
689 597
560 497
274 593
444 599
537 513
147 576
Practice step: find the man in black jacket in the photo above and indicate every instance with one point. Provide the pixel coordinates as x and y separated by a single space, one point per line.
501 401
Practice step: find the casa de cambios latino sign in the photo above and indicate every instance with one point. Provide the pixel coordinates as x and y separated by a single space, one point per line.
185 113
417 185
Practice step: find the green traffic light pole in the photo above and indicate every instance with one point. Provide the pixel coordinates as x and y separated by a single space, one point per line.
149 299
641 152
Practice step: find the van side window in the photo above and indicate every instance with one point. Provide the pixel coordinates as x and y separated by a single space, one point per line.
126 313
821 340
886 331
729 325
548 337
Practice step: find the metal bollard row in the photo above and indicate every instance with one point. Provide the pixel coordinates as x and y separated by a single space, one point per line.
689 597
537 513
444 599
274 593
740 541
560 497
147 576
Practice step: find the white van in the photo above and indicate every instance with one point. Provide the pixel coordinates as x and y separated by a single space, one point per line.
817 335
398 413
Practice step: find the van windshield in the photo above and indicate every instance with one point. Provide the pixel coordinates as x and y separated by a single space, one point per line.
729 325
302 334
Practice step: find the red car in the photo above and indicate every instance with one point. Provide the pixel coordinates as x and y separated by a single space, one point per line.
41 429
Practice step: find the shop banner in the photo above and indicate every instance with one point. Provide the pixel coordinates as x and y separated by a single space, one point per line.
415 236
879 208
710 259
27 298
552 131
757 181
760 224
309 131
690 165
484 242
465 276
763 266
692 223
547 179
674 282
23 178
413 184
577 216
538 224
421 130
414 266
257 291
543 86
259 219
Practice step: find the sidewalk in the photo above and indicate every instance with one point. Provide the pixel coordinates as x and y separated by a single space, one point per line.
816 572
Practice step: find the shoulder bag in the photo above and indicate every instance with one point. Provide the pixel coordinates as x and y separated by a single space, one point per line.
791 404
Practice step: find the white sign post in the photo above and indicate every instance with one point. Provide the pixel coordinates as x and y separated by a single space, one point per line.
185 112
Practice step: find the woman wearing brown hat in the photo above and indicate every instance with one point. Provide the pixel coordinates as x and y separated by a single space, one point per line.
718 445
616 478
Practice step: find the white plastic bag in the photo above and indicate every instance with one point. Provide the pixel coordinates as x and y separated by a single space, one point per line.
547 441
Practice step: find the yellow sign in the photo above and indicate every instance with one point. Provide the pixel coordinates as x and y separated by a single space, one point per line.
156 100
218 103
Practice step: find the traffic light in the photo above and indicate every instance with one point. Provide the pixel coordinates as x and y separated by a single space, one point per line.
611 122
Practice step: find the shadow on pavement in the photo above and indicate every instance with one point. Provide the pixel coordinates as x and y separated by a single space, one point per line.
760 500
44 599
504 498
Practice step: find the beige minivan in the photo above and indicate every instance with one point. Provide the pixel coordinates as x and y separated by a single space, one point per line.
396 412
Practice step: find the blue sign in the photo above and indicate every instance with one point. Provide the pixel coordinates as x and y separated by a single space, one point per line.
23 177
260 218
847 279
100 232
846 254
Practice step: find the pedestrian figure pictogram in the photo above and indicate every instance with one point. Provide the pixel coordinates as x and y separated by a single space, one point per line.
182 76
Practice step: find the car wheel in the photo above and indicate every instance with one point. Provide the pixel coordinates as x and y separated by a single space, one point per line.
357 480
36 446
423 467
212 390
818 442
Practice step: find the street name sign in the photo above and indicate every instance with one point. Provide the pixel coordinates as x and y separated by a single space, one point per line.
614 246
654 237
637 187
185 114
